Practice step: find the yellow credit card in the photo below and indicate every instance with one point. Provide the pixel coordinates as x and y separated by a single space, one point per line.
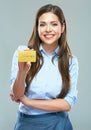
27 56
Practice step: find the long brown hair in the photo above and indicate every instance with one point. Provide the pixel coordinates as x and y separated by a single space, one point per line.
63 54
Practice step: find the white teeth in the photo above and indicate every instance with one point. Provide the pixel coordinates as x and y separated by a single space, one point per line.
48 36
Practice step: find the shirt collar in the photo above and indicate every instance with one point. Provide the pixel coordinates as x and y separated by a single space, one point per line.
55 51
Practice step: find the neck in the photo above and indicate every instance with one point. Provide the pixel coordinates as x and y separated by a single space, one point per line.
49 48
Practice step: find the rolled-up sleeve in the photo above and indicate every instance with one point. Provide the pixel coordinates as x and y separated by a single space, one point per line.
71 96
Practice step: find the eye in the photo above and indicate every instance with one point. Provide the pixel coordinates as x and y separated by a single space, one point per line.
54 24
41 24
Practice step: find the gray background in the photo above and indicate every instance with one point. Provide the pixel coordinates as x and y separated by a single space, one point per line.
16 23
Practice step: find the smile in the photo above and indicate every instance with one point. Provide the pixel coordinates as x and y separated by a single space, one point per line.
48 35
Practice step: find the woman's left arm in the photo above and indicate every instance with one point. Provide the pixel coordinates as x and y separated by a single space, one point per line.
53 105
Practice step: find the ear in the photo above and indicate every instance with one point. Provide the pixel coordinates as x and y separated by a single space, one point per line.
62 28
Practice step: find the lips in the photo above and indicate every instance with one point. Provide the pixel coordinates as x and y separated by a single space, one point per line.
48 35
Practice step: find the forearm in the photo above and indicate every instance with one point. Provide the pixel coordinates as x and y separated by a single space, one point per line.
55 105
19 85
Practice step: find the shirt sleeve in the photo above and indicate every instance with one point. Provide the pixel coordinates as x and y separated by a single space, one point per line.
14 65
71 96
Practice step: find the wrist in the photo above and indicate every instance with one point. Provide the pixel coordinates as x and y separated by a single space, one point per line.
22 74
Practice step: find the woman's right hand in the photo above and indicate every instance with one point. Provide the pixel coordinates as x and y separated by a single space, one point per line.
24 66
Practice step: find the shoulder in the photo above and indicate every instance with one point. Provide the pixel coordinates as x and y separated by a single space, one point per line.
19 48
73 62
73 59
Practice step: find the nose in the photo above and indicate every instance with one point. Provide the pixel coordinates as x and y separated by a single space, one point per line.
48 28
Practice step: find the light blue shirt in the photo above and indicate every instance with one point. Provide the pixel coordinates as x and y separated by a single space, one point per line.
47 84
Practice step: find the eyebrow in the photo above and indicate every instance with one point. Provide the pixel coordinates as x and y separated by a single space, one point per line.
50 22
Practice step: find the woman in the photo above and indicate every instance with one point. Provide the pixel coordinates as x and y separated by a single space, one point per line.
46 90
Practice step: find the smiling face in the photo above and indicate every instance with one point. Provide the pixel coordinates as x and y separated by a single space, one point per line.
49 29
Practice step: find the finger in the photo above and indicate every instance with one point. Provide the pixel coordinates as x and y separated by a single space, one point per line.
26 49
12 97
29 64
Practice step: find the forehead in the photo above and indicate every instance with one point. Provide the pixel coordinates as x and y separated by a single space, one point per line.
48 17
